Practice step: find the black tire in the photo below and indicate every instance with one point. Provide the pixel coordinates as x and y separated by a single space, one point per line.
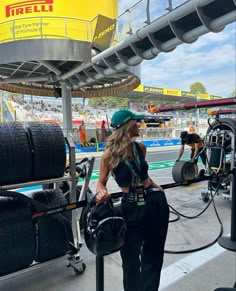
229 125
226 124
17 235
183 171
48 150
52 237
15 156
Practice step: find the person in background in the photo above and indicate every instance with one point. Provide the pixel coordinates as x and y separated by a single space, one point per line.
82 132
197 148
103 130
143 205
143 126
191 128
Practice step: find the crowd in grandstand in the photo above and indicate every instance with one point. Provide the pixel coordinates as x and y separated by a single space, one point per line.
50 109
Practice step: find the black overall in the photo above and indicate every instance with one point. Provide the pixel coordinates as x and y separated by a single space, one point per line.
143 251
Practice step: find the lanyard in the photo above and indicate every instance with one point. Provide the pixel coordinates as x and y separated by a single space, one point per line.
134 167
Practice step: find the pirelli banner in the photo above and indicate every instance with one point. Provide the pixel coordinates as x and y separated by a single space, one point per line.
73 19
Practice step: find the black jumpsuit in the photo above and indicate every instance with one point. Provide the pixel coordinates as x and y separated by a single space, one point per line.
143 251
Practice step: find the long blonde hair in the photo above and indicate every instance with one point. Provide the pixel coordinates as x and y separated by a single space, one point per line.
118 143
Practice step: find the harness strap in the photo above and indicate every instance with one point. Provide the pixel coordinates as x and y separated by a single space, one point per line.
135 167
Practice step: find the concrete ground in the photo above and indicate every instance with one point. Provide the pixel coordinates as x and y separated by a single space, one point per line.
183 269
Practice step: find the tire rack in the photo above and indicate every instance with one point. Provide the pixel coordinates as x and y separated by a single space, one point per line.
75 261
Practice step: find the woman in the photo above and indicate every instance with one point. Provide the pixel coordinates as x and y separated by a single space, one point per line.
144 205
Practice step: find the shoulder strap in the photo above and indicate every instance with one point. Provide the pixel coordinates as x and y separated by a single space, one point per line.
135 167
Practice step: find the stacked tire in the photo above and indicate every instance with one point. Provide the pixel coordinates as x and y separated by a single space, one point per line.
31 153
48 150
15 154
54 231
17 235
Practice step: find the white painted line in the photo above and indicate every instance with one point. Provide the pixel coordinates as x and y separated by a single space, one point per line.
183 267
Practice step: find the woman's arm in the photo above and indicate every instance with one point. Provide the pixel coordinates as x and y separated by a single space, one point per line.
101 190
196 149
181 151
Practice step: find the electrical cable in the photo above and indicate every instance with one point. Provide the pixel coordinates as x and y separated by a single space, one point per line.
214 183
192 217
174 219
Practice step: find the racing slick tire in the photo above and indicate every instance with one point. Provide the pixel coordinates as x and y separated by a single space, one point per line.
183 171
15 156
48 150
17 235
53 229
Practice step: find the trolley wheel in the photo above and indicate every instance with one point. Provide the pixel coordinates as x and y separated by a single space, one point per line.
205 196
79 269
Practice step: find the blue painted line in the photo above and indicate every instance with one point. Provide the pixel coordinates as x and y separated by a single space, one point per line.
30 188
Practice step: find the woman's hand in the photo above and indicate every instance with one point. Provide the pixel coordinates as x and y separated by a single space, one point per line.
156 185
160 188
102 196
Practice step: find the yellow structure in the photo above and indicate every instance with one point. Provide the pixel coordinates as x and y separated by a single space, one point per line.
174 92
74 19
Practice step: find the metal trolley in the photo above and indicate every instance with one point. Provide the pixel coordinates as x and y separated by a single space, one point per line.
75 203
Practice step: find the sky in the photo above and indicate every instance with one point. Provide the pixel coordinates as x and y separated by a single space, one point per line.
210 60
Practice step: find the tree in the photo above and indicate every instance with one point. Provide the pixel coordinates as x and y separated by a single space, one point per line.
233 94
109 102
198 88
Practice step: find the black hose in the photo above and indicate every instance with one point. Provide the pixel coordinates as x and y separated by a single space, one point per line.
192 217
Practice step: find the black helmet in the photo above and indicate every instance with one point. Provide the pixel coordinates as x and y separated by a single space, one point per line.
105 228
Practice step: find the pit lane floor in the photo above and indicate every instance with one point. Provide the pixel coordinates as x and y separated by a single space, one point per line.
195 271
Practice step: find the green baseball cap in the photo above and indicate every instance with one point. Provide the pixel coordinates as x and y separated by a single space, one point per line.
123 116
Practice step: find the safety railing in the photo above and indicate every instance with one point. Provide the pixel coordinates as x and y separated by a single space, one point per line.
137 16
46 27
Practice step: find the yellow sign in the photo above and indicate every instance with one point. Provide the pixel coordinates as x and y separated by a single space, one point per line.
52 18
139 88
104 32
153 89
204 96
171 92
188 94
215 97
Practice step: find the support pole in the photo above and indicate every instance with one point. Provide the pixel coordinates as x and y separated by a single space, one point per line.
229 243
99 273
67 109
